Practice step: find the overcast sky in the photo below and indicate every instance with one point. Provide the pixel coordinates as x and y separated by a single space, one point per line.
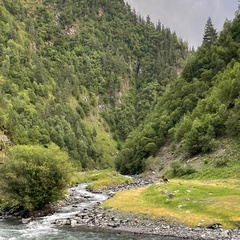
187 17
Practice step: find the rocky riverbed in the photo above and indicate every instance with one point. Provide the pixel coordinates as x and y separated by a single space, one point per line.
99 217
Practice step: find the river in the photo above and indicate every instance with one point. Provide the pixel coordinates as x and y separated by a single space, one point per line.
43 229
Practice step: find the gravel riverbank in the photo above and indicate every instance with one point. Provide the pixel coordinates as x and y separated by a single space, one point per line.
141 224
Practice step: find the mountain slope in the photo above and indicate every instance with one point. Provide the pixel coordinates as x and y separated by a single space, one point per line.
197 109
65 62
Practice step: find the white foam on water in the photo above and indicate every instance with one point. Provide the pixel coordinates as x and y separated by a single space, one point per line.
32 230
37 228
43 228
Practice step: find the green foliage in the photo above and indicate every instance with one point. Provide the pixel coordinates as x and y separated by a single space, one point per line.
64 61
178 170
35 176
196 109
210 33
222 163
199 138
100 179
151 148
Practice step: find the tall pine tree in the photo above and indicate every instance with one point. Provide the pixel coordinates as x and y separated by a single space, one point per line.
237 13
210 33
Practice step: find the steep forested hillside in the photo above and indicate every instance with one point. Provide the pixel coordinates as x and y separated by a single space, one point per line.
201 106
76 72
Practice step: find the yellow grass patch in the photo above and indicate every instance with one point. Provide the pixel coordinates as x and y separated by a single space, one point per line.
228 207
228 203
131 201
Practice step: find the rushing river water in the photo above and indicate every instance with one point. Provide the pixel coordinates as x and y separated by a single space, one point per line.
43 229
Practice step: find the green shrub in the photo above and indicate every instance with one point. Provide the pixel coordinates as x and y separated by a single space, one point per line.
221 163
35 176
151 148
101 179
206 161
200 137
178 170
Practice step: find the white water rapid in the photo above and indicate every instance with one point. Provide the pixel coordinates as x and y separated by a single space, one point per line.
43 229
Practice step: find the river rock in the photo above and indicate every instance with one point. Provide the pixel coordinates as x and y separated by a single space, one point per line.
26 220
215 226
74 222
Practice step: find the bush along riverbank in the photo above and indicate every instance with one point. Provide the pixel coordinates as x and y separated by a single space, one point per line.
127 221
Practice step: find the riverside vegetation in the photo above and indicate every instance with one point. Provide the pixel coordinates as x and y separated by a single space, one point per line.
90 85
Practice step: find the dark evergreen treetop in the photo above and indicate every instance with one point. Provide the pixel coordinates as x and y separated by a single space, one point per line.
210 33
237 13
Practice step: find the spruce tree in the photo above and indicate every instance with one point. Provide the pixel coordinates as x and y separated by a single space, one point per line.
237 13
210 33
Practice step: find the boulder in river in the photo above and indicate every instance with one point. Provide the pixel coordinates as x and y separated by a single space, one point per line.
26 220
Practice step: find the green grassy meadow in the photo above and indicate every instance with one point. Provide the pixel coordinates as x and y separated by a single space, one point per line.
194 203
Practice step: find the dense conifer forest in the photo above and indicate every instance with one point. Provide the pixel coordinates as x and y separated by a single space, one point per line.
109 87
